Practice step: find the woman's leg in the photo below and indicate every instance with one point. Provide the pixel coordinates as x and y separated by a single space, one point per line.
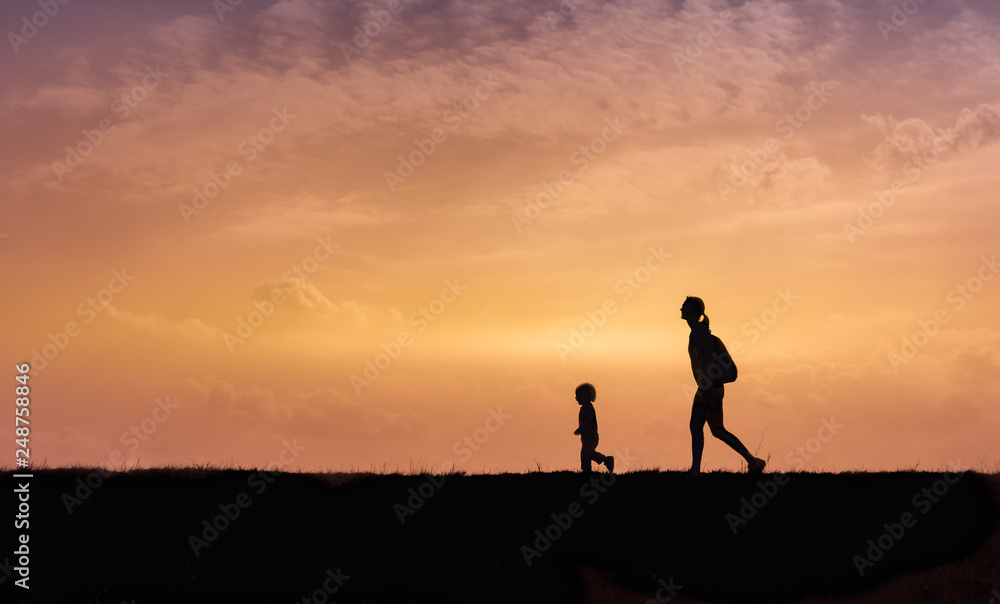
716 424
698 415
730 439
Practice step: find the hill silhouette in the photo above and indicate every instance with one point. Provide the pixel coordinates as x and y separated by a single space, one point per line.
172 535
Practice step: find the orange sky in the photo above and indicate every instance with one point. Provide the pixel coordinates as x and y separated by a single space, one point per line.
484 204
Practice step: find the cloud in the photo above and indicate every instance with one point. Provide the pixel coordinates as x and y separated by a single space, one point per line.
224 80
295 34
70 99
325 412
913 138
942 385
308 299
190 327
778 182
325 175
977 128
69 443
282 217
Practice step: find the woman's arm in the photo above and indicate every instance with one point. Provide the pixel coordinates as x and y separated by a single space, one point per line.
701 350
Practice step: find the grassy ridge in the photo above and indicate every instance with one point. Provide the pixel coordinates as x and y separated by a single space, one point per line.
240 535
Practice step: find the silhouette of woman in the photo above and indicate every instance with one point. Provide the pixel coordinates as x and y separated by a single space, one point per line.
707 404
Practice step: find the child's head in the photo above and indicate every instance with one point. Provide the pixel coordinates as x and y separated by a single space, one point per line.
586 393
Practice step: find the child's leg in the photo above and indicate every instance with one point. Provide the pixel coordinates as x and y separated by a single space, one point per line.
599 458
588 453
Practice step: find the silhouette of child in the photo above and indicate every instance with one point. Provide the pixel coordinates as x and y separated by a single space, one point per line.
586 394
707 404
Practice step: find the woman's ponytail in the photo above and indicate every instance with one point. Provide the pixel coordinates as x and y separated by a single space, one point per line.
704 320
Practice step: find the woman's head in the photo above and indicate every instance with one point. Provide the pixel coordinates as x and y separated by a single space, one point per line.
693 309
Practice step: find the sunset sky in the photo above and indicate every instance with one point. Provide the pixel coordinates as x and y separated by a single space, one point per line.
369 228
